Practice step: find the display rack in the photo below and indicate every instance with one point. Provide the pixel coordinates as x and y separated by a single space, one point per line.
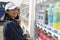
24 14
45 20
49 29
28 13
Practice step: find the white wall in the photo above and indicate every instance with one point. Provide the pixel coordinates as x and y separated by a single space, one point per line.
17 2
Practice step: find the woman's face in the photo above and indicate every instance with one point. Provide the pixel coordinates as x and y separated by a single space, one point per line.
13 13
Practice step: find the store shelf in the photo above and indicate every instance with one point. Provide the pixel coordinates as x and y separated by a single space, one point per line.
25 7
25 21
24 17
25 26
51 30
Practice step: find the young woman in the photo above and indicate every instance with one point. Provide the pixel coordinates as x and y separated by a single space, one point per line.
12 30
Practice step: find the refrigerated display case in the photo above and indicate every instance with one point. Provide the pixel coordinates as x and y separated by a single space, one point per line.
24 15
47 19
28 17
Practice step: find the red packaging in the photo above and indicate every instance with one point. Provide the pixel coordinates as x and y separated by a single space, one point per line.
44 37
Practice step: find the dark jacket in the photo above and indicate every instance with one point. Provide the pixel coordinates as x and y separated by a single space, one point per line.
12 30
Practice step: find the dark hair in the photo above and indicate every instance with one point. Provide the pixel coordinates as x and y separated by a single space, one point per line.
8 16
17 17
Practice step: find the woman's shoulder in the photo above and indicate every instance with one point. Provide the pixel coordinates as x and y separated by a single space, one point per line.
8 23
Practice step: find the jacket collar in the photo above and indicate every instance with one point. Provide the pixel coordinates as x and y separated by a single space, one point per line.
10 19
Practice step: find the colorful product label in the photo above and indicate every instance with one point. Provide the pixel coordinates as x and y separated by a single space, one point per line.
54 17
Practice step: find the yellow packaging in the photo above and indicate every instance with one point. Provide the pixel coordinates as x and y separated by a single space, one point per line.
56 26
56 17
56 21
